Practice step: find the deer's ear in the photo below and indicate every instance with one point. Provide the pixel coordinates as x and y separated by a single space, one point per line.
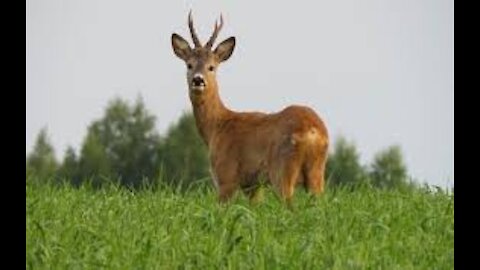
225 49
180 46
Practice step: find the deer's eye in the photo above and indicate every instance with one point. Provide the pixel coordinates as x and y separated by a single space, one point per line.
189 66
211 68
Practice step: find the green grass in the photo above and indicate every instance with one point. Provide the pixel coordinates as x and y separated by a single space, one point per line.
114 228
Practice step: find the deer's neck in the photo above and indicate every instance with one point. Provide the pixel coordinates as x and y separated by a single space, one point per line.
209 110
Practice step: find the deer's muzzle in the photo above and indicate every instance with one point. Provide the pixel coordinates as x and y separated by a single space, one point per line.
198 82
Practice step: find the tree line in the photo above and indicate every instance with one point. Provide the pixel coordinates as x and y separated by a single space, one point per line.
124 146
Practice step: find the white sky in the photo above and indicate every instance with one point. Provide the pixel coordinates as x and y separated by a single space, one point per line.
378 72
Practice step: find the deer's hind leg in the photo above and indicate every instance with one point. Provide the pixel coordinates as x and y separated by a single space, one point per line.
314 171
284 176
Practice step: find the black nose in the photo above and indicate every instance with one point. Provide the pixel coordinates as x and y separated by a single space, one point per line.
198 81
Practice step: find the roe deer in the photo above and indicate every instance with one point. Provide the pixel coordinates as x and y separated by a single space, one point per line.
290 147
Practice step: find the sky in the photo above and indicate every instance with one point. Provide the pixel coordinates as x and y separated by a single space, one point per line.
379 72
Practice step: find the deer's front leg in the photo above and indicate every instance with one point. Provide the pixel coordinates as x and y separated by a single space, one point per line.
227 179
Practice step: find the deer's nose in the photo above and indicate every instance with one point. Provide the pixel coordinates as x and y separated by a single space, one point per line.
198 80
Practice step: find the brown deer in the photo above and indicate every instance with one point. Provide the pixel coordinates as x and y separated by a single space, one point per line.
289 147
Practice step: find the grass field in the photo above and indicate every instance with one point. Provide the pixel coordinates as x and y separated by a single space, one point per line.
114 228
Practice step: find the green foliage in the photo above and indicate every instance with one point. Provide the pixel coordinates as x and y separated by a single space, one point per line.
343 166
388 169
115 228
183 154
122 144
69 169
94 163
41 161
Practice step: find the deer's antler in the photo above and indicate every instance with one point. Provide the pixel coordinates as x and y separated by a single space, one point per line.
195 39
216 30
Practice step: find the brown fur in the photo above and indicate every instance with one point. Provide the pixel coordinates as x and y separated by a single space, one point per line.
289 146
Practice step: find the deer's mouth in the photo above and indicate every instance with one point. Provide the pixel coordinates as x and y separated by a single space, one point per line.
197 89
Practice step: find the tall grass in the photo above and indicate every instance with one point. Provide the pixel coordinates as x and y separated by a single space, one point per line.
163 228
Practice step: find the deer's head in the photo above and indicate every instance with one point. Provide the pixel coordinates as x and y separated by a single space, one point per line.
201 61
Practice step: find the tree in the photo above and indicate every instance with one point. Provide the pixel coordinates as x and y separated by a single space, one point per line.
126 143
388 169
69 169
41 161
343 166
94 164
183 154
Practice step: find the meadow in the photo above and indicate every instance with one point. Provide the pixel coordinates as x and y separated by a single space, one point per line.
164 228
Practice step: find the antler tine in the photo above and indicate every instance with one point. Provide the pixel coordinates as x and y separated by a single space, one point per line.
195 39
216 30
